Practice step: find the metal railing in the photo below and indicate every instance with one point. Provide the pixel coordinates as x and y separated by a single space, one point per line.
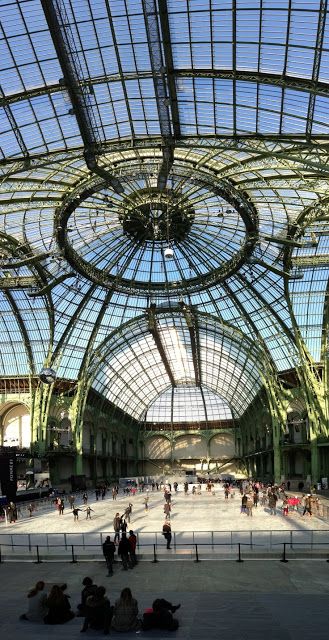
90 544
37 553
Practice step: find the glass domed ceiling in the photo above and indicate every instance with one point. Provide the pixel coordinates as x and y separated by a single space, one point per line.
120 239
207 100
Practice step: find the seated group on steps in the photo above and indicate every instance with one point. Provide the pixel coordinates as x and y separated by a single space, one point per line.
95 607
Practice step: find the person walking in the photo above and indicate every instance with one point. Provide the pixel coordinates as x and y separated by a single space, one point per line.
108 552
114 493
61 507
166 530
133 542
124 552
146 503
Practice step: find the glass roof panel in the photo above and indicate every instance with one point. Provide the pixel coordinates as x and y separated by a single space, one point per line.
190 404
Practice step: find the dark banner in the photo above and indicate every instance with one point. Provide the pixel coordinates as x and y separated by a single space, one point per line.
8 474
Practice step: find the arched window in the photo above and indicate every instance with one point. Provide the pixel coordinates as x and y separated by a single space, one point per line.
16 427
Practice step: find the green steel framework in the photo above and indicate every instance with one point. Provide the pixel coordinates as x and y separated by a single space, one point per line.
243 145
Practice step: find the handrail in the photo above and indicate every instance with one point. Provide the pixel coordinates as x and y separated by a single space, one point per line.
194 547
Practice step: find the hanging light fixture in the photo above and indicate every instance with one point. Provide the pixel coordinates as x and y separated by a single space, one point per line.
168 253
47 376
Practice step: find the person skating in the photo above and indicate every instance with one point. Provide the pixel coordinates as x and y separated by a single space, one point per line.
88 510
117 527
128 512
75 512
167 510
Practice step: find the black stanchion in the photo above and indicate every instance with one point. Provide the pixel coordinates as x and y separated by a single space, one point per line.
73 556
284 559
0 555
196 554
155 559
38 556
239 558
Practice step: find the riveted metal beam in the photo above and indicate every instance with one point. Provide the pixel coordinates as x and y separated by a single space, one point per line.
153 329
316 63
162 93
194 338
63 40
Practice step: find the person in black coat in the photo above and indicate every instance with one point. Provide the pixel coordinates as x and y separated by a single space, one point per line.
160 617
98 611
88 590
124 552
166 530
123 524
59 608
109 551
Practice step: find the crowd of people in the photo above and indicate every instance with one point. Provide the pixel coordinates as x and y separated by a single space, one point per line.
269 496
53 606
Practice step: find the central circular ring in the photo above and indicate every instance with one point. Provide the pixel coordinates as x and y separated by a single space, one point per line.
156 216
150 239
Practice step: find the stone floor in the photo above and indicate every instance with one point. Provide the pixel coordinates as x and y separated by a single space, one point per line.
220 599
253 600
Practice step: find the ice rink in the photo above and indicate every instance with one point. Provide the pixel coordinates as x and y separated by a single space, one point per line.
203 513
